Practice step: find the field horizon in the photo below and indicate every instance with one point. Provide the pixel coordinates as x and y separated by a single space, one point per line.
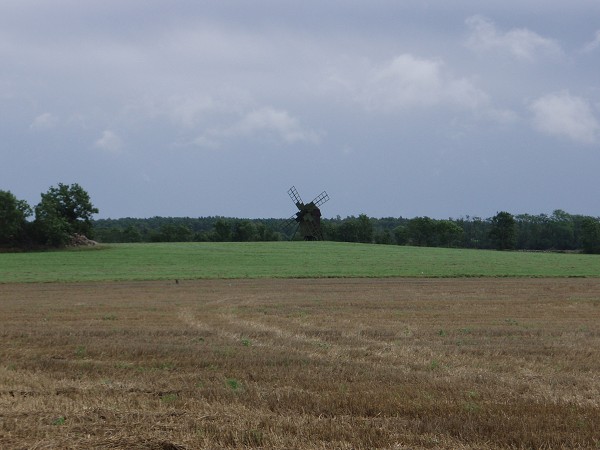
230 260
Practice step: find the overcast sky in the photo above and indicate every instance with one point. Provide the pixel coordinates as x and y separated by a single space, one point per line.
395 108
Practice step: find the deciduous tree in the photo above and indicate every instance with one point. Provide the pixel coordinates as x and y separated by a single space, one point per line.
13 218
503 232
243 231
448 233
222 230
64 210
421 232
590 235
364 229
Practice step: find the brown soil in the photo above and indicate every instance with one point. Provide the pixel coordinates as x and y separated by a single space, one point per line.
461 364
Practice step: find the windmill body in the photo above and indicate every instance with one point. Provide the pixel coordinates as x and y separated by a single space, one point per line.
308 217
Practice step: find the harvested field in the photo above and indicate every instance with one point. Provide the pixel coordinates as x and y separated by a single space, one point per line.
328 363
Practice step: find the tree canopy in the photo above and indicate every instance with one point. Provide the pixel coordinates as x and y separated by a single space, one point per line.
503 231
13 219
64 211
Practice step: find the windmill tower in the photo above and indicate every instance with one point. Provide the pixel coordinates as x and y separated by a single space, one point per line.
308 216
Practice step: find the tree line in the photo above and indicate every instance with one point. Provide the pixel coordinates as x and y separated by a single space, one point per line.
187 229
66 211
559 231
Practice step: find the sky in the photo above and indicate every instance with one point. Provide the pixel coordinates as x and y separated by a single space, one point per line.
216 108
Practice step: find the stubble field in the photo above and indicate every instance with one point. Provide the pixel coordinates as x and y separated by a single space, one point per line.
312 363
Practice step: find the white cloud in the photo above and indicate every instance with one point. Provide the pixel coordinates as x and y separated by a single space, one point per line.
521 43
261 121
206 142
562 114
592 45
275 121
109 142
407 81
188 111
44 121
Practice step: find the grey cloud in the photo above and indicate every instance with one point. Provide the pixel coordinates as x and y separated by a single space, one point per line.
593 44
563 114
45 121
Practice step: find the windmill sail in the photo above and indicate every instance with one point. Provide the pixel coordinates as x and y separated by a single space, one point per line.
293 193
321 198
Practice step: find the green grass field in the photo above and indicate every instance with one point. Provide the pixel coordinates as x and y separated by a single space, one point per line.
283 260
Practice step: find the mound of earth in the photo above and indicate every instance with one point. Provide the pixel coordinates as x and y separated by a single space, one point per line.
80 240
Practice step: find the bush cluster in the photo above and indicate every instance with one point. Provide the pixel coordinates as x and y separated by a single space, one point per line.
63 211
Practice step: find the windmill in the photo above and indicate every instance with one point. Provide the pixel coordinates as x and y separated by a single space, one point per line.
308 216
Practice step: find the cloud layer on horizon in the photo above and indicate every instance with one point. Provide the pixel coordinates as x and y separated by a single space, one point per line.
262 93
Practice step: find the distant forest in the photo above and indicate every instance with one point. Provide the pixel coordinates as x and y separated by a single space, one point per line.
63 217
559 231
